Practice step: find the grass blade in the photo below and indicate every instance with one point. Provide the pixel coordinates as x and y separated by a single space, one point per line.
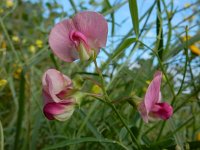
83 140
159 31
73 5
1 137
125 44
21 109
134 15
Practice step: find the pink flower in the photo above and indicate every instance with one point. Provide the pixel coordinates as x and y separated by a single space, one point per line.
57 103
152 105
79 37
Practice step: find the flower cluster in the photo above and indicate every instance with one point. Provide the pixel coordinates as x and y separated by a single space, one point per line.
81 38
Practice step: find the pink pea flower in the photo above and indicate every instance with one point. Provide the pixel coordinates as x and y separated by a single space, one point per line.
152 105
79 37
57 102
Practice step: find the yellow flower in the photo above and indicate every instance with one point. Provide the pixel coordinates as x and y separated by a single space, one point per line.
144 89
39 43
186 5
3 45
190 18
32 49
198 136
96 89
15 38
9 3
14 65
17 72
1 10
148 82
3 82
194 49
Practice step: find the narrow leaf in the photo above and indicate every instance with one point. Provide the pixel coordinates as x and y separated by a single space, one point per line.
83 140
134 15
120 49
21 109
1 137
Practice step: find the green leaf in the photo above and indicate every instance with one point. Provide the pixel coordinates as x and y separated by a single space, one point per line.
54 61
134 15
83 140
178 138
114 8
159 31
1 137
122 47
73 5
21 108
125 44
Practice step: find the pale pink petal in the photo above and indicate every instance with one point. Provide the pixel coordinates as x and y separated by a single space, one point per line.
66 115
160 98
46 97
143 112
93 26
60 42
162 110
50 90
55 83
153 92
56 78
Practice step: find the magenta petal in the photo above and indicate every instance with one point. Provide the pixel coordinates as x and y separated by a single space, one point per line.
162 110
153 92
60 42
93 26
53 108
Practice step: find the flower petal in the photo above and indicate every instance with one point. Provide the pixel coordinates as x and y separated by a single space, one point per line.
143 112
93 26
56 79
153 92
53 108
66 115
46 97
55 84
60 42
162 110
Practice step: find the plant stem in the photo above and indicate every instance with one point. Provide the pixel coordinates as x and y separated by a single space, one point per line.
9 40
113 107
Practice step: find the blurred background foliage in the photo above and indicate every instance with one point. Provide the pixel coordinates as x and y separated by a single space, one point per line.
167 40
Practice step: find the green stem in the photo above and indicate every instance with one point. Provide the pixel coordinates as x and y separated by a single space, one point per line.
113 107
162 68
185 68
73 5
160 132
1 137
159 31
8 38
